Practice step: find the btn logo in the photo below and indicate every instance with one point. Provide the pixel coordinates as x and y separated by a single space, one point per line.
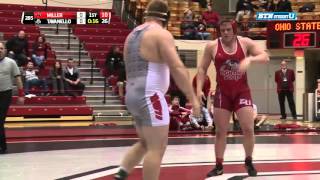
276 16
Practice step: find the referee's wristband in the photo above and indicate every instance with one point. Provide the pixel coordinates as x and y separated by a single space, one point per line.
20 92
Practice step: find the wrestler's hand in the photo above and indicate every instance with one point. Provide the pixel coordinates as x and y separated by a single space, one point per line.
20 100
209 128
244 64
201 97
196 108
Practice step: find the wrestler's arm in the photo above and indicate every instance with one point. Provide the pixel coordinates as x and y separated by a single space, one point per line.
204 65
169 55
257 54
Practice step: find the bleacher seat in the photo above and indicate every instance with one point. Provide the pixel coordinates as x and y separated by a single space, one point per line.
113 25
50 105
52 100
54 110
102 39
100 32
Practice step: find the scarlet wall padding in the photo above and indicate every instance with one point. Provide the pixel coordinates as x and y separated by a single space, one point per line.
80 110
66 100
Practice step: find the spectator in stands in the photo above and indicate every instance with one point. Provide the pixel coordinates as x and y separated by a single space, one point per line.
211 18
188 26
32 79
282 6
244 7
9 72
203 3
206 120
202 34
175 91
39 51
18 49
57 78
268 6
179 116
114 66
114 61
72 84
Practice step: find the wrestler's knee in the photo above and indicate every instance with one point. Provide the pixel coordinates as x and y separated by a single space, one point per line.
247 130
221 132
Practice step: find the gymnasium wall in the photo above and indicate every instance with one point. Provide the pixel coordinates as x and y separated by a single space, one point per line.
99 4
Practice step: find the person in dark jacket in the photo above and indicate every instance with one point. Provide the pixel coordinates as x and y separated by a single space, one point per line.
244 7
73 85
18 49
284 79
114 61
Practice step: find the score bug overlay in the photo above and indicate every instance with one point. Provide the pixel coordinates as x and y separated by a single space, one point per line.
67 17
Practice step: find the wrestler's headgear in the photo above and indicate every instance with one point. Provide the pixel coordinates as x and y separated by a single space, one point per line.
233 24
158 9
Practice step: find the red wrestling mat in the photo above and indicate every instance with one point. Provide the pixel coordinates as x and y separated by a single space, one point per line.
198 172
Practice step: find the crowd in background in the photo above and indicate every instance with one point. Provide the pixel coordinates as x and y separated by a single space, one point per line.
61 80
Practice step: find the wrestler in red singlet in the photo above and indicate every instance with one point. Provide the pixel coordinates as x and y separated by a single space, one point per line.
232 91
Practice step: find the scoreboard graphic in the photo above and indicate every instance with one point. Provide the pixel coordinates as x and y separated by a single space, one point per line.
56 17
293 34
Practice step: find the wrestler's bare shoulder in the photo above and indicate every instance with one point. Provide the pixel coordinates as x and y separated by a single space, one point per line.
159 33
212 44
245 40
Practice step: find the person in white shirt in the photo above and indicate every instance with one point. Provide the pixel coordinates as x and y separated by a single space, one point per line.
32 79
73 85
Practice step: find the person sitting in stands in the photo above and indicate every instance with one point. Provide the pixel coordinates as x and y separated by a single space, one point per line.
188 26
179 116
72 83
202 34
39 51
114 65
244 7
18 49
32 79
211 18
114 61
57 78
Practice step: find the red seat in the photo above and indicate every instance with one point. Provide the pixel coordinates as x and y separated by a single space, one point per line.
10 14
17 28
100 47
52 100
10 21
102 39
117 25
12 7
98 55
30 36
102 32
79 110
